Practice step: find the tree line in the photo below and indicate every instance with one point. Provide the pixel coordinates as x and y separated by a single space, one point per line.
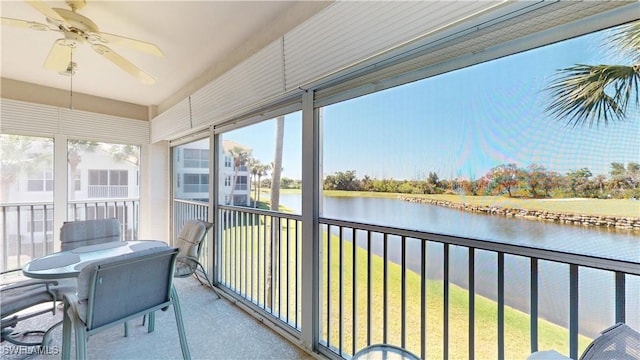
533 181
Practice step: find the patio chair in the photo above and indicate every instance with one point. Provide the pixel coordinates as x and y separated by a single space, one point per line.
114 290
89 232
20 296
190 242
617 342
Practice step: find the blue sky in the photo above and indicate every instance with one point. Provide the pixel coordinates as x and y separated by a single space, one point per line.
461 124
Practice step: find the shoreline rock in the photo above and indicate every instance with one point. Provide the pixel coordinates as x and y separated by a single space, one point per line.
612 222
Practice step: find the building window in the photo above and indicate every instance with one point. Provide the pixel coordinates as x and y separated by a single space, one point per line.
77 183
196 158
227 161
227 180
196 183
241 183
40 181
108 183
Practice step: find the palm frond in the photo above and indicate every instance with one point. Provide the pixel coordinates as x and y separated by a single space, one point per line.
590 94
627 39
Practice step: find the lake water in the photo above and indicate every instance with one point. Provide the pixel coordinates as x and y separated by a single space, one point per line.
596 300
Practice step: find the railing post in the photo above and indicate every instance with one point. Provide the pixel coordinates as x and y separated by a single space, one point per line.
472 302
311 247
445 301
573 311
534 305
620 297
500 305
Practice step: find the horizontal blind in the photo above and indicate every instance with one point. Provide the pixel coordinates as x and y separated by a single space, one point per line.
174 121
24 118
349 32
106 128
251 82
493 38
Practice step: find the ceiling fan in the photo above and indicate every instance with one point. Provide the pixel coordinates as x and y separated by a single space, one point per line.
78 29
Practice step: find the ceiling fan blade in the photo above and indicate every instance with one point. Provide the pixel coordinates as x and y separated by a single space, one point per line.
24 24
47 11
59 56
128 42
123 63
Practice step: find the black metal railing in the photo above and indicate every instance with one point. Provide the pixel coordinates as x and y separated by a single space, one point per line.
424 292
259 261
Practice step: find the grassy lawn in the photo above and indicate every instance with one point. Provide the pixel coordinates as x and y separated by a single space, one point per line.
244 274
517 341
605 207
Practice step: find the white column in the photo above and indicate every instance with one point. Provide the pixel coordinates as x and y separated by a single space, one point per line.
213 237
155 180
60 187
310 212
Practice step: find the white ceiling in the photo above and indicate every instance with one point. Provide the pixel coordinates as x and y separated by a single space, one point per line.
195 36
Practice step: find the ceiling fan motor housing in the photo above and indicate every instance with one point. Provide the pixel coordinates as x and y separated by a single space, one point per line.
78 23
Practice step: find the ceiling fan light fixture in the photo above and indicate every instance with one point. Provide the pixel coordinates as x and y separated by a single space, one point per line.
71 70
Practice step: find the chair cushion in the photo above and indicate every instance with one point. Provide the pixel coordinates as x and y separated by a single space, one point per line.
89 232
190 237
185 267
84 278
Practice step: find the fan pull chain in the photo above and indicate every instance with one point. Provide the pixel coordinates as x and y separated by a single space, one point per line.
71 81
190 115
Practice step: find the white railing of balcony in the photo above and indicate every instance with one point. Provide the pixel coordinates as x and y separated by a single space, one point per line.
28 230
25 235
108 191
185 210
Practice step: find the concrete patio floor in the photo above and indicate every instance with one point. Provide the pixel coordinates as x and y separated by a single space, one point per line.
216 329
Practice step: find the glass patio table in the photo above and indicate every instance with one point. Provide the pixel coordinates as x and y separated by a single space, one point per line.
384 351
68 264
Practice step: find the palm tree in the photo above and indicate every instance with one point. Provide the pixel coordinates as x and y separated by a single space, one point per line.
262 170
275 206
74 157
16 157
240 157
594 94
253 165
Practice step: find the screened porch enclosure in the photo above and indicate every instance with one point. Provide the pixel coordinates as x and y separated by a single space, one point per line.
396 181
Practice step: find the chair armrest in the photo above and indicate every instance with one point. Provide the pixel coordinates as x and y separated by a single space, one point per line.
70 298
27 283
